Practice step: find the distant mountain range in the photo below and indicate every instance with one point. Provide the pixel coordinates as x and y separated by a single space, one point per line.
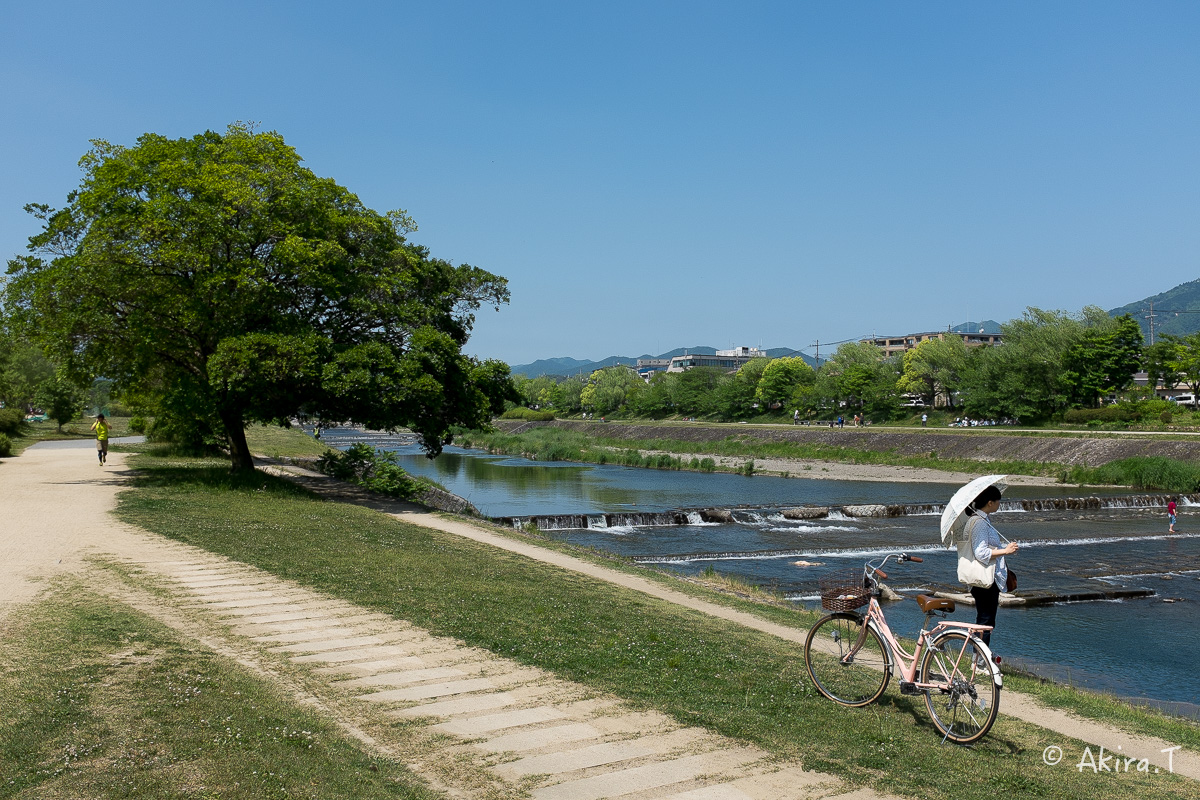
574 366
1176 311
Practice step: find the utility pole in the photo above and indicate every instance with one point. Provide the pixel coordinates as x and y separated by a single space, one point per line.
817 344
1150 317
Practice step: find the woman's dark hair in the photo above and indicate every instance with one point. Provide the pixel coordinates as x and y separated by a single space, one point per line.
986 496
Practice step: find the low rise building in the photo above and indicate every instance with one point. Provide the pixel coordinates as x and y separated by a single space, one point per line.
648 366
729 360
891 345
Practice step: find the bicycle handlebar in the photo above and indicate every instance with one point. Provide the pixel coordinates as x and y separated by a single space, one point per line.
872 571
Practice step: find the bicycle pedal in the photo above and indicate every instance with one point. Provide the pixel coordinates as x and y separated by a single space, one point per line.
909 688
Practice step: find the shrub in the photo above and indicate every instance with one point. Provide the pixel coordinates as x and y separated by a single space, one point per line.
371 469
707 465
1165 417
5 446
11 420
137 425
528 414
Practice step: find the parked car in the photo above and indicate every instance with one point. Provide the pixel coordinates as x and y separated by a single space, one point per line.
1186 400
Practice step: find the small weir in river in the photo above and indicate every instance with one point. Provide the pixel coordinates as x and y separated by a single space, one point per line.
699 516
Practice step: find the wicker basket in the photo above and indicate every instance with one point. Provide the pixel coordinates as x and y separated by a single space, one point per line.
844 591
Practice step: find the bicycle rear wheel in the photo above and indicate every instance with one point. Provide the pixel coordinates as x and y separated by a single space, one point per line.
966 704
839 671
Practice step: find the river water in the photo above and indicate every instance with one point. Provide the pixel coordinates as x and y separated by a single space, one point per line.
1144 648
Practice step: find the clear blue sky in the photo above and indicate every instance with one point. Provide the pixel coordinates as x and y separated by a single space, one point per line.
651 175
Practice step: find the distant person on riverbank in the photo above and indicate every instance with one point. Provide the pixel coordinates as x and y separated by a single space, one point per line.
1171 516
841 421
796 417
986 546
101 427
924 419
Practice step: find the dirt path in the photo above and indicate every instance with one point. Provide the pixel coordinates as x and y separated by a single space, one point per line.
473 724
523 729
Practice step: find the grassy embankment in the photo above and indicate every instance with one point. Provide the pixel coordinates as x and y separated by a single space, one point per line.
700 670
557 444
102 701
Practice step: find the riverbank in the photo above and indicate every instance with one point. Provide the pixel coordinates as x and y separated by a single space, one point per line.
1051 449
937 456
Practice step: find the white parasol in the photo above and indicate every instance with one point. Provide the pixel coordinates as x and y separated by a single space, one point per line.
954 518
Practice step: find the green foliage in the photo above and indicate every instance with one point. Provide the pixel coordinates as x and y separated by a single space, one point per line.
652 400
1140 411
860 376
5 446
934 368
137 425
61 399
694 393
221 279
1102 361
23 368
607 389
1050 361
781 379
1183 358
520 412
374 470
1141 472
11 421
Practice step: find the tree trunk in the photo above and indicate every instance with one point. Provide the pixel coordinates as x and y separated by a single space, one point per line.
239 451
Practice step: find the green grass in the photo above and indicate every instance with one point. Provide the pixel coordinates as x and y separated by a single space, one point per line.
102 701
1143 472
701 670
276 442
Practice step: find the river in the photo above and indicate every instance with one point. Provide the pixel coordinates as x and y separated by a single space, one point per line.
1144 648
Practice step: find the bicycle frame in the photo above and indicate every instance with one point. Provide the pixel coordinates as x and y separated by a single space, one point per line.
908 663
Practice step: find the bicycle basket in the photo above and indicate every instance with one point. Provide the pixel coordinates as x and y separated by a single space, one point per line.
844 591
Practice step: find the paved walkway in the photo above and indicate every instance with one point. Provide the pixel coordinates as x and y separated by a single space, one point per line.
557 739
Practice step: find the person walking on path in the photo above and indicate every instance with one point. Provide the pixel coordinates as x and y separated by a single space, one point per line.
101 427
1171 516
924 419
796 417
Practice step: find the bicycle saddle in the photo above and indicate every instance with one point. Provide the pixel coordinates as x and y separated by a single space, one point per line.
930 604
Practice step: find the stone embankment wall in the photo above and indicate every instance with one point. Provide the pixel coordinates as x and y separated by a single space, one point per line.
1072 450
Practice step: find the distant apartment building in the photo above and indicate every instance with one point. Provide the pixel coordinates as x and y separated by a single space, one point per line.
891 345
730 360
648 366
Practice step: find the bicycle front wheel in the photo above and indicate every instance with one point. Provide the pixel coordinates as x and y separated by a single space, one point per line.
840 669
965 700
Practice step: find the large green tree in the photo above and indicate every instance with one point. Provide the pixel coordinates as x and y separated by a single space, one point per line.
782 379
934 367
1102 361
1050 361
860 377
219 275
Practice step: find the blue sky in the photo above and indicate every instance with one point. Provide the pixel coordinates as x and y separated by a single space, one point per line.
651 175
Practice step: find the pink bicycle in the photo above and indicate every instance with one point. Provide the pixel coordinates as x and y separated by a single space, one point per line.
851 656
